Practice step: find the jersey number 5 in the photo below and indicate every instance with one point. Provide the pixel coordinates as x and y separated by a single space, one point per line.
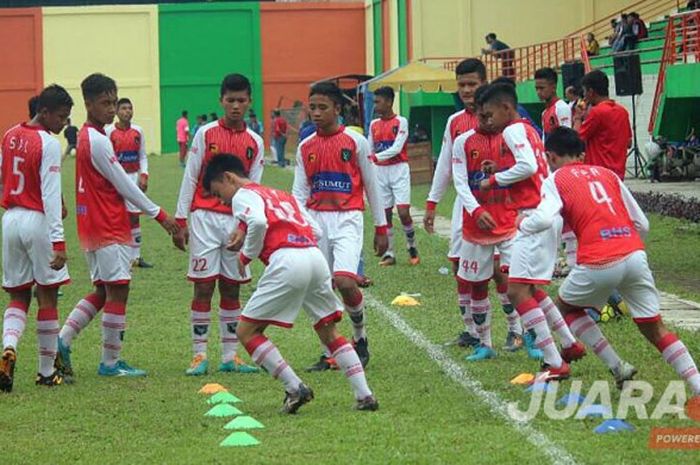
600 195
19 188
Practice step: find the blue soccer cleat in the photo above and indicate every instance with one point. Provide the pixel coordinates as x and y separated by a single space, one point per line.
199 366
237 365
533 351
121 368
481 353
63 362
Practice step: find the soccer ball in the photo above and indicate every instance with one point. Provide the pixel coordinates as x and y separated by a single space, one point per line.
607 313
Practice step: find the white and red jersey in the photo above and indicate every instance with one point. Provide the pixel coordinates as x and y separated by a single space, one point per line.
556 113
31 175
272 220
524 152
101 185
606 219
474 152
387 140
213 139
458 123
333 172
129 147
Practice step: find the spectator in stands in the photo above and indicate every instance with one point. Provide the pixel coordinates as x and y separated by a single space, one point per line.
522 111
502 51
638 26
592 45
628 37
606 128
692 5
254 123
279 137
615 31
574 97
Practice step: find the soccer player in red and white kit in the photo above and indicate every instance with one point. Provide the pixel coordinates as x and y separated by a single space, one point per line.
104 231
212 223
387 138
610 228
333 172
130 148
532 257
273 227
470 75
33 244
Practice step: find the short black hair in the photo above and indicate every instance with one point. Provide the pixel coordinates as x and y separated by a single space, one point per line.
184 113
329 89
213 116
471 65
504 80
218 165
491 35
548 74
123 101
386 92
97 84
235 82
478 93
564 142
597 81
53 97
502 93
32 105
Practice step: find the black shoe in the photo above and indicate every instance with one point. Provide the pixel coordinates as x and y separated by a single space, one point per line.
54 379
294 400
369 403
413 253
362 351
467 340
323 364
141 263
7 369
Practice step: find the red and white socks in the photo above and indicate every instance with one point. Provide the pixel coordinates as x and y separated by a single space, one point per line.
135 238
464 290
80 317
533 319
512 316
348 361
200 320
676 354
13 324
554 319
229 314
481 314
354 306
47 339
265 354
588 331
113 326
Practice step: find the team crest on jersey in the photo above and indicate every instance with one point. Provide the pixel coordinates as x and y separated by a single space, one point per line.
137 140
346 154
213 148
395 130
249 153
312 157
474 153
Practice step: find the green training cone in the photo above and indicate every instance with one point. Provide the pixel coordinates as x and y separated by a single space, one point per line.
223 410
223 398
239 438
244 422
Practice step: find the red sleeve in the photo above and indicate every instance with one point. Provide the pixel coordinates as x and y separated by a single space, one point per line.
590 125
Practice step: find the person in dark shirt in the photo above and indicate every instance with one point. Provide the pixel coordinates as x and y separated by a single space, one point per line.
71 135
502 51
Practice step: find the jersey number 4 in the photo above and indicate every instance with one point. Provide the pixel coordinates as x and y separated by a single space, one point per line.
600 195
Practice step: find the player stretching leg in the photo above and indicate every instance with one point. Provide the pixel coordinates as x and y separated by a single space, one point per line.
387 140
130 148
333 172
273 227
609 226
33 245
211 225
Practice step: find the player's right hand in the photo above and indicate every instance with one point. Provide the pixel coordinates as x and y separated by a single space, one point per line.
236 240
170 225
485 221
59 260
429 221
181 239
381 244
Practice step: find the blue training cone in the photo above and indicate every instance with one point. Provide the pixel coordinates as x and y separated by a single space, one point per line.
613 426
571 398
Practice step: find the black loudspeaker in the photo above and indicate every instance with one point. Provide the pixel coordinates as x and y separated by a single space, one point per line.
571 74
628 75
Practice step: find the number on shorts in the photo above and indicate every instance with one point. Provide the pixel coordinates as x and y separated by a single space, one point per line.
16 161
474 266
199 264
600 195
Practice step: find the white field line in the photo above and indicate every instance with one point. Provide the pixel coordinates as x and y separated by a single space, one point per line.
492 400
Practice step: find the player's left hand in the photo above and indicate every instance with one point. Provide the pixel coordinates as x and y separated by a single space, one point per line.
59 260
485 185
381 244
170 225
485 221
235 242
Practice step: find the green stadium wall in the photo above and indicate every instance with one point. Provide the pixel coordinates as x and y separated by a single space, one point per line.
680 103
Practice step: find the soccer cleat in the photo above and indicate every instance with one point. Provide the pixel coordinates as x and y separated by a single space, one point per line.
414 258
54 379
121 368
369 403
362 351
576 352
533 352
514 342
63 361
549 373
387 260
364 282
623 372
481 353
323 364
141 263
7 369
465 340
199 366
237 365
294 400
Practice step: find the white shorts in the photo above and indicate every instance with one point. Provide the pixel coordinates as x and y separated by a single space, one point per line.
456 231
293 279
342 240
130 207
209 260
587 286
533 256
394 183
476 260
27 251
110 265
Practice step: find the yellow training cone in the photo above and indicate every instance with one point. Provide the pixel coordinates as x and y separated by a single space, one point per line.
523 378
405 301
212 388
